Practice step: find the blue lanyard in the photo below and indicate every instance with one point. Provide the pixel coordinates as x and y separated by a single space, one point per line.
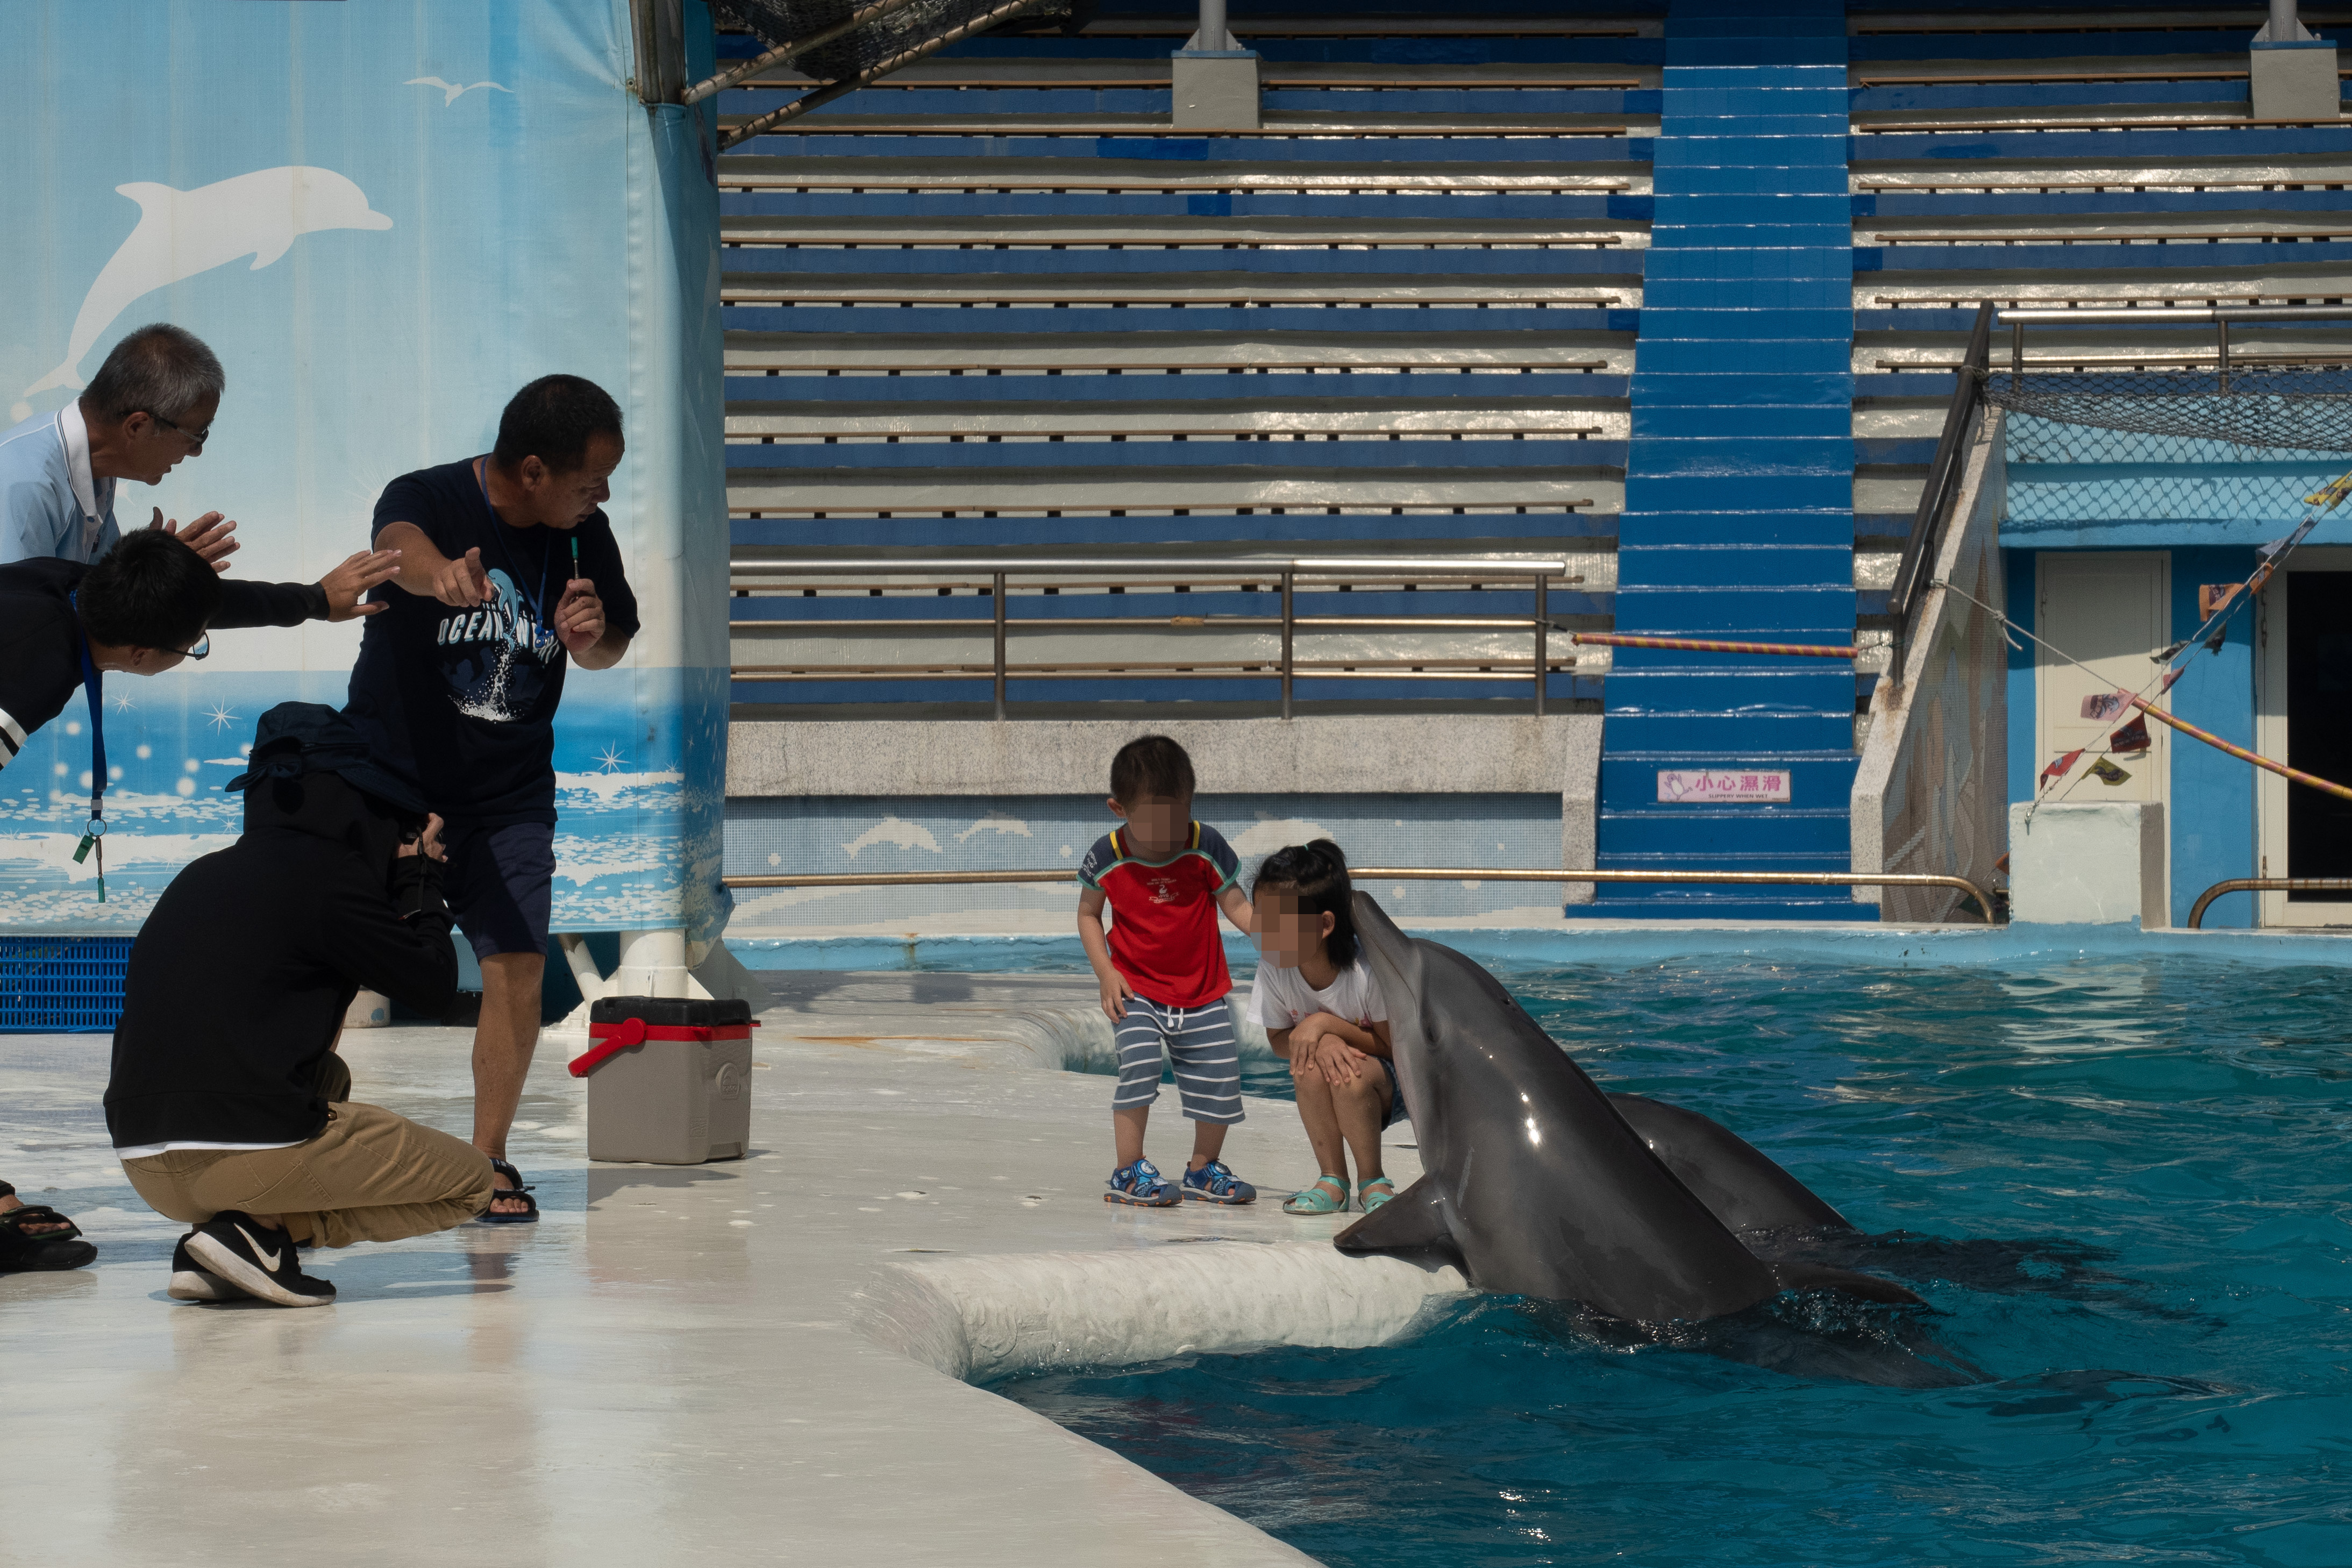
538 606
93 835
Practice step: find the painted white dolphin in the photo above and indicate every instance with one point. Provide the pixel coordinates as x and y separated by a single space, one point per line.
183 233
450 91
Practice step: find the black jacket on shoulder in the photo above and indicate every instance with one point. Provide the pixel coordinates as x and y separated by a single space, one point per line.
40 636
242 972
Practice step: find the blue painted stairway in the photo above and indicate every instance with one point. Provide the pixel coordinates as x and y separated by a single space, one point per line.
1739 519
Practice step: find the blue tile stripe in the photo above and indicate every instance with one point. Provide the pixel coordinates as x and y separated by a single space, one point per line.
1738 515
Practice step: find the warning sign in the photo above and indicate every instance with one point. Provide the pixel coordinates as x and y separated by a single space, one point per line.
1740 787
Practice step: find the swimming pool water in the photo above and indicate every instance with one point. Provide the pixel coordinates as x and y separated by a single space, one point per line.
2148 1160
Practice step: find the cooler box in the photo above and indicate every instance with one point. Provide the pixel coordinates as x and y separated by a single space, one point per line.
669 1080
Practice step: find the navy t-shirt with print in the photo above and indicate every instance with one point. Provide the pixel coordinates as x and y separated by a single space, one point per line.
462 702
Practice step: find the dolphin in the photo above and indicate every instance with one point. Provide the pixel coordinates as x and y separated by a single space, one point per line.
183 233
1539 1185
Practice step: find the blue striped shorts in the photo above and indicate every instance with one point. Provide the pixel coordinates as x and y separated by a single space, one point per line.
1200 1042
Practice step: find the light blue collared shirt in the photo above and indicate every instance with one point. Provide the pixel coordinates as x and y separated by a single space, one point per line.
49 503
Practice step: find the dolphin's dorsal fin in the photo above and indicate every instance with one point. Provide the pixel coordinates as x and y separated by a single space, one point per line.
1410 1226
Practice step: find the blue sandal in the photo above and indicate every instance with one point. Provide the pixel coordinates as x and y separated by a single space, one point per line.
1141 1185
1374 1191
1213 1183
1327 1196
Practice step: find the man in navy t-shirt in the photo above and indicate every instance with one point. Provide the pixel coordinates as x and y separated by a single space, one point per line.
508 572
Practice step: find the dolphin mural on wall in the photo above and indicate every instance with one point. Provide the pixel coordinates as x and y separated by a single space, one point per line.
183 233
1539 1185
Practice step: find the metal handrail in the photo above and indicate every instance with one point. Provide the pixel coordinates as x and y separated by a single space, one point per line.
2188 314
783 54
736 135
2222 318
1286 572
1943 485
1403 873
1242 565
2264 885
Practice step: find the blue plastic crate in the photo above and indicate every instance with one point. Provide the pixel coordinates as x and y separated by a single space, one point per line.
61 984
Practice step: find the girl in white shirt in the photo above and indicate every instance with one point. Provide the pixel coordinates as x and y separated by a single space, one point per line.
1322 1011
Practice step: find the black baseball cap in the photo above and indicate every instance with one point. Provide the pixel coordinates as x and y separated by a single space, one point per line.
322 740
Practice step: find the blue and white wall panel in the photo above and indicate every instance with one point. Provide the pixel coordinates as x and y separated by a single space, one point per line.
385 218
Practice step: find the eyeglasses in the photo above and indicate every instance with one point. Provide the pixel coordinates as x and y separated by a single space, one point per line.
204 645
194 438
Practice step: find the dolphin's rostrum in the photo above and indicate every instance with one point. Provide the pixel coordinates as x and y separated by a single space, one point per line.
1539 1185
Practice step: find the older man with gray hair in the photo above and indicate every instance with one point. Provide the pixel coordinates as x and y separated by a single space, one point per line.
150 406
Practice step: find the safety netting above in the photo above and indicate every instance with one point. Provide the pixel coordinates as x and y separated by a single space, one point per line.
2296 407
885 37
2099 450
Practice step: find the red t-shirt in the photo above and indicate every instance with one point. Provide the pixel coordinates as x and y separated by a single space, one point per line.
1164 933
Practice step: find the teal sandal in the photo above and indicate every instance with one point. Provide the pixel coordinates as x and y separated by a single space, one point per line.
1371 1194
1327 1196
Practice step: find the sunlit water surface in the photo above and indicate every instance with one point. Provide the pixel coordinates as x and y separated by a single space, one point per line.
2148 1159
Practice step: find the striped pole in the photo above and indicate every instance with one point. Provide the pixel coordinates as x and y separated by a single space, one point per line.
1695 645
2161 717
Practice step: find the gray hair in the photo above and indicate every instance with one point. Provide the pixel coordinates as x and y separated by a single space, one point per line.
161 370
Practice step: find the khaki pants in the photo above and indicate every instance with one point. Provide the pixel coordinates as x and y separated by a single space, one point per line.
369 1175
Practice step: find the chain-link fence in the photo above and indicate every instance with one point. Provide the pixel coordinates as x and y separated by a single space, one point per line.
779 22
2099 447
2066 474
2304 407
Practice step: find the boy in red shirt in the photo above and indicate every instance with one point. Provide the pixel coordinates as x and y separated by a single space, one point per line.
1162 970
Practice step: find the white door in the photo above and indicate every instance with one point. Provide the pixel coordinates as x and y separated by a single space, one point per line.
2108 610
2302 691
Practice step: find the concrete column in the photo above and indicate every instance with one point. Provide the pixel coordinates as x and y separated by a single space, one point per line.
653 964
2294 73
1215 79
2087 863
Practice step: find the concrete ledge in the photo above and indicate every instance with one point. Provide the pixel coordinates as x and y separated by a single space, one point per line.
982 1318
1434 754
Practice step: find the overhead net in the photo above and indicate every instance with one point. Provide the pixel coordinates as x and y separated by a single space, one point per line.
779 22
2099 449
2296 407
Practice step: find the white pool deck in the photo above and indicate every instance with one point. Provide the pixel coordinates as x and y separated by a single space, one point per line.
704 1363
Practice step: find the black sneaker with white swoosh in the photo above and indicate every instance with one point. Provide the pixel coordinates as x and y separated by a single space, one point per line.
192 1282
257 1261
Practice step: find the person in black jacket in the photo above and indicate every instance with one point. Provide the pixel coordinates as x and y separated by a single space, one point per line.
229 1108
147 605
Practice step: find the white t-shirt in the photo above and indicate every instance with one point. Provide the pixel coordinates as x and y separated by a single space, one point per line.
1281 998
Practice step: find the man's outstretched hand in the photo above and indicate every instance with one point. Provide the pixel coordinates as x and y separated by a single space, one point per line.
463 583
209 536
347 585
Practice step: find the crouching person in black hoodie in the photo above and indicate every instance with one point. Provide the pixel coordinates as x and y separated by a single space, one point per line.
228 1107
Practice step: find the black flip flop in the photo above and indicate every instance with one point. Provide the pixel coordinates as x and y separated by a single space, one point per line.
20 1252
530 1215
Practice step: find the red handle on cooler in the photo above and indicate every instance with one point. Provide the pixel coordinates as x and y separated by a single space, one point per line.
612 1039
